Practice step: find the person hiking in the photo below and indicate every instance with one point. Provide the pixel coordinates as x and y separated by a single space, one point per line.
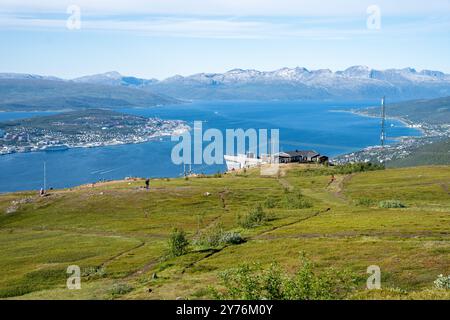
147 183
332 179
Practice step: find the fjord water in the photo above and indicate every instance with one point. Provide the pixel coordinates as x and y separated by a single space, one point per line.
302 125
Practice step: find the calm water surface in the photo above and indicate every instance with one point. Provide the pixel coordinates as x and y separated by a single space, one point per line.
303 125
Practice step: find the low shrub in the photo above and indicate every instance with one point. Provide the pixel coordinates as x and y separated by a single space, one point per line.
93 272
296 201
364 202
210 237
442 282
270 203
388 204
254 218
217 236
119 289
357 167
252 282
231 238
178 243
340 169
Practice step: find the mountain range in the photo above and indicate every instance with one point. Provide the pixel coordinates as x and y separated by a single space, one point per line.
19 92
113 90
354 83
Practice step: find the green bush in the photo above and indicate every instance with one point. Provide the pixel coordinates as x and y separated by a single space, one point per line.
270 203
231 238
119 289
254 218
252 282
442 282
178 243
357 167
391 204
217 236
210 237
93 272
296 201
340 169
364 202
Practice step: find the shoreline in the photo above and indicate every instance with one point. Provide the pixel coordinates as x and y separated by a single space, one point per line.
177 132
402 147
406 122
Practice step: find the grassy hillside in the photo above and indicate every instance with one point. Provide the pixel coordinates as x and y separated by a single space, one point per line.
430 154
432 111
117 233
38 94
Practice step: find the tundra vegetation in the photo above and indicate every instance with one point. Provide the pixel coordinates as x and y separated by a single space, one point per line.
301 235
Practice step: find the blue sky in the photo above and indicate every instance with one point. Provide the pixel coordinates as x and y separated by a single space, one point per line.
159 38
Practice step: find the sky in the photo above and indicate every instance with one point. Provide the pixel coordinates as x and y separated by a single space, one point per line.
161 38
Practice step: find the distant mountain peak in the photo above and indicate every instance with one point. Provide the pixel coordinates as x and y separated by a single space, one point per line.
358 68
114 78
357 72
409 69
12 75
112 74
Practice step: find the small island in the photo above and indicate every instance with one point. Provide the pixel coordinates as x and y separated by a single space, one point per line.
85 128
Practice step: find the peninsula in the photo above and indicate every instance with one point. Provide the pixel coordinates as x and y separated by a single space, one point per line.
86 128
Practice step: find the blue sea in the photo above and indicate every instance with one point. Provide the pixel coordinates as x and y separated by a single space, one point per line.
302 125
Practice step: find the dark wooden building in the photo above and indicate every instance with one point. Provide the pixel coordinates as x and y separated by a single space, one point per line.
302 156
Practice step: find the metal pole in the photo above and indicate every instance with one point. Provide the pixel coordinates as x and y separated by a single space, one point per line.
45 176
383 117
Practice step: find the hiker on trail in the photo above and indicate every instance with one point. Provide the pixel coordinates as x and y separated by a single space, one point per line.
42 192
332 179
147 183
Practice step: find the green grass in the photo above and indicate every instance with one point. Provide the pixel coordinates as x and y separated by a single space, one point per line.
123 230
437 152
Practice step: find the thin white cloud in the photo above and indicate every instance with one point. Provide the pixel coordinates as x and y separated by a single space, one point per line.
235 28
241 19
185 27
233 7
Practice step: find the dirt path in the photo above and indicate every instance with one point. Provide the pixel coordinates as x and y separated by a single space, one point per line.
336 187
222 196
212 252
120 254
209 255
361 234
147 267
315 214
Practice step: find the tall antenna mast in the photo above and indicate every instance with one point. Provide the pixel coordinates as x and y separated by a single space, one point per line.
383 118
45 176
